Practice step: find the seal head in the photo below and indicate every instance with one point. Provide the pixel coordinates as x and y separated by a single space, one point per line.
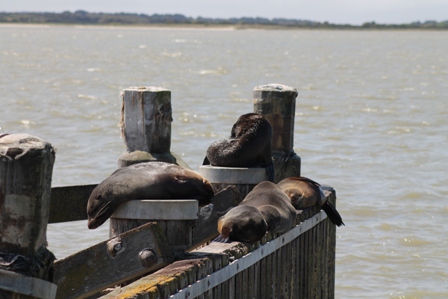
305 193
242 224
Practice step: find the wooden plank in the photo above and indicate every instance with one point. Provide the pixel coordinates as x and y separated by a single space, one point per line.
251 281
239 286
263 278
288 262
224 289
93 269
257 280
69 203
331 254
295 259
302 268
324 258
313 257
269 290
232 289
277 270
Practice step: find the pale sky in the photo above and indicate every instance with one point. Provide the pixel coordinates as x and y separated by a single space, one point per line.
353 12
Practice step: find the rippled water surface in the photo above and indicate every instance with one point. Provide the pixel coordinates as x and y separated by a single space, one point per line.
371 121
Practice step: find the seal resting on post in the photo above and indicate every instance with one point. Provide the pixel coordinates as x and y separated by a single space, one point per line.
150 180
249 145
265 209
305 193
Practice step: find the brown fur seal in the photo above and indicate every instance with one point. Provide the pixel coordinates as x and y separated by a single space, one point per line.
243 224
265 208
150 180
305 193
249 145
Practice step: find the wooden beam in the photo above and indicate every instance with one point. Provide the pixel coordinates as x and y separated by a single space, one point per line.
112 262
69 203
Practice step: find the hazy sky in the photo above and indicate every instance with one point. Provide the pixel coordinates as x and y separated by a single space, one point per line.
333 11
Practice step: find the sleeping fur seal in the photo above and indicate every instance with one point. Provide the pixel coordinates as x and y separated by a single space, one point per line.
249 145
150 180
265 208
304 193
243 224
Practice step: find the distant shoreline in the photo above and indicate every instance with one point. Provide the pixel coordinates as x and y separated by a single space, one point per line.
201 27
181 21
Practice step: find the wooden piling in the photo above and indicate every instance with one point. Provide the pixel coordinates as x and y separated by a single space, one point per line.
26 166
277 103
176 219
146 118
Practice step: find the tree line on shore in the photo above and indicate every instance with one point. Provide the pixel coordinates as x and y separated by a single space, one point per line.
84 17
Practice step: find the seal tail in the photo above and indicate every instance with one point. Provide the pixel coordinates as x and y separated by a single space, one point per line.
332 214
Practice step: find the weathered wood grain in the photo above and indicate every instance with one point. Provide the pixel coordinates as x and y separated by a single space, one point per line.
26 166
277 103
93 269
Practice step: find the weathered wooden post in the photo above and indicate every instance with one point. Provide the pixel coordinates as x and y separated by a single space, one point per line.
277 103
176 219
26 166
146 118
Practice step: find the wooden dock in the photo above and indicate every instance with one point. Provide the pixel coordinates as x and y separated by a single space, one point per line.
159 258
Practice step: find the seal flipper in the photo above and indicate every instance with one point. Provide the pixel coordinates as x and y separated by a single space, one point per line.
206 161
332 214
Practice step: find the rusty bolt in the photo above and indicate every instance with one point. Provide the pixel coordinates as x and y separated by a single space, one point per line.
147 258
115 247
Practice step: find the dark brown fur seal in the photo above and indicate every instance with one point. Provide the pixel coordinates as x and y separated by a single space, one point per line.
150 180
243 224
305 193
249 145
265 208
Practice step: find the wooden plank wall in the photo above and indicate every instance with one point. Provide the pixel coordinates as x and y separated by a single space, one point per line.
302 268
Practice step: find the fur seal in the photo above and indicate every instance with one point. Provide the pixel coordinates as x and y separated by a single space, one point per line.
249 145
243 224
150 180
265 208
305 193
